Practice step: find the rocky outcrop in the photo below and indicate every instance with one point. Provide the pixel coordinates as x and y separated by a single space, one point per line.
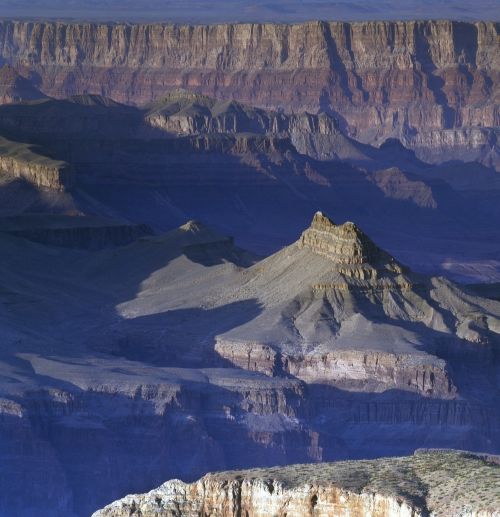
343 245
382 79
184 113
400 487
368 371
19 161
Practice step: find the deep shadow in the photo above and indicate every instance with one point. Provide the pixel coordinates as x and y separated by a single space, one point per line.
181 338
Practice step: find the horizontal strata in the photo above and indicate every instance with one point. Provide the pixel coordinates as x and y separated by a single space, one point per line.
381 78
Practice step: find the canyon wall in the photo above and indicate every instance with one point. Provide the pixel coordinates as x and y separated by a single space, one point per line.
381 79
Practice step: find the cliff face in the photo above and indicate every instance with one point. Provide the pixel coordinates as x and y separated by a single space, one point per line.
381 78
73 231
434 482
20 161
15 88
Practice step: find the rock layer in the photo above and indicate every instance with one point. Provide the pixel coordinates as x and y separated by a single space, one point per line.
381 78
19 161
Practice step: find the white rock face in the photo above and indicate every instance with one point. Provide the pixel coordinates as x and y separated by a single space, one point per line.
400 487
256 498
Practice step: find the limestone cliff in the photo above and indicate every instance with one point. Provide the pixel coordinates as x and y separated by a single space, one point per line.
441 483
381 78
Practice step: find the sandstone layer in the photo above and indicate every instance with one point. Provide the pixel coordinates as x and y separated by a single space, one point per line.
429 483
409 79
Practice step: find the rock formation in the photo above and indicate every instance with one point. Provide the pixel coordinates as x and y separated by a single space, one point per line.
114 362
431 482
20 161
327 293
422 81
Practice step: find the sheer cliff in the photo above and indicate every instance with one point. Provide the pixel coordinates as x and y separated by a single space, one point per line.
428 483
409 79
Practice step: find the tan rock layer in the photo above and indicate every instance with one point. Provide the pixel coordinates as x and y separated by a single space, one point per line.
345 369
56 177
431 482
257 498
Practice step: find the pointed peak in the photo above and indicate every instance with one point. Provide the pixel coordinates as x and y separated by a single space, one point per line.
321 221
194 233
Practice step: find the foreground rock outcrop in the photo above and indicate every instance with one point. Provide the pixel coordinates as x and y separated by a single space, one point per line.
444 483
424 81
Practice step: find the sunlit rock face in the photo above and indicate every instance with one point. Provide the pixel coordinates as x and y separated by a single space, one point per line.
435 482
411 80
341 312
344 244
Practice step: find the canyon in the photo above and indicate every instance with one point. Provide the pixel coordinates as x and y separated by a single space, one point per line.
190 156
249 246
431 84
183 338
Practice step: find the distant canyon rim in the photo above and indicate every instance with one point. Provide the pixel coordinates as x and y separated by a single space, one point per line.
432 84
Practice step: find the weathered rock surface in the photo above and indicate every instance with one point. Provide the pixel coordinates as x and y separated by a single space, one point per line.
20 161
431 482
383 79
327 293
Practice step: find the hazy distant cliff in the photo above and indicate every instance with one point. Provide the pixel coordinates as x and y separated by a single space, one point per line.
381 78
